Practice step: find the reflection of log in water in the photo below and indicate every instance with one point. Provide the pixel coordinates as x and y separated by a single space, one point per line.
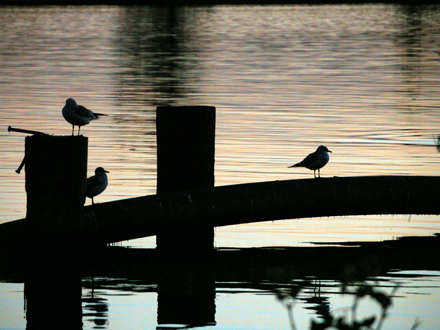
180 291
253 265
408 253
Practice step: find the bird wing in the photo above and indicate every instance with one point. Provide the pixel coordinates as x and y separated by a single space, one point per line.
92 182
310 159
84 112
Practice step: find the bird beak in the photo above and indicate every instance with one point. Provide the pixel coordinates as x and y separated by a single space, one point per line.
330 151
106 171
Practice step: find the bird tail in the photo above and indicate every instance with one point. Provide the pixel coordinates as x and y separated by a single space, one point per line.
296 165
97 115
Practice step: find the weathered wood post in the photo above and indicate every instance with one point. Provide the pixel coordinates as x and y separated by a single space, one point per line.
185 160
56 168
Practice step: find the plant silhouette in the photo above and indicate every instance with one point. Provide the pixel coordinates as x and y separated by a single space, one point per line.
354 283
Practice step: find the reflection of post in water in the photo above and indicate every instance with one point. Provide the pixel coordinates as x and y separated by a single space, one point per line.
55 185
53 287
95 308
185 160
157 30
186 293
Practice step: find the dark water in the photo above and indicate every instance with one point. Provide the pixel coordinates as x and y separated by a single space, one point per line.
363 80
235 289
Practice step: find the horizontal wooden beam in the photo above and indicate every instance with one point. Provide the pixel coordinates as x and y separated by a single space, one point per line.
245 203
255 202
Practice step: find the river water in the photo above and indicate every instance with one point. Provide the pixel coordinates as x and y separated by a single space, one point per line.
361 79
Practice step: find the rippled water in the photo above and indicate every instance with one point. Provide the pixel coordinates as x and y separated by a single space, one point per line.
363 80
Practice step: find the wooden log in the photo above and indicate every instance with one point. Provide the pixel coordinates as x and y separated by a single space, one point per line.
185 160
264 201
246 203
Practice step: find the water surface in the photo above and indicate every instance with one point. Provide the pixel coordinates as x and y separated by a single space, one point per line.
363 80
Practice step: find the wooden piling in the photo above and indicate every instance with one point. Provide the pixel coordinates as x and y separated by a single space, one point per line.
185 148
56 168
185 160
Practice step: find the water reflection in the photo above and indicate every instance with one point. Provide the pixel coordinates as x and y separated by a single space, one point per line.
186 294
312 276
52 287
154 44
95 308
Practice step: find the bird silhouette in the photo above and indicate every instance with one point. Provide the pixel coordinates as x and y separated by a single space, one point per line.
96 184
77 115
315 161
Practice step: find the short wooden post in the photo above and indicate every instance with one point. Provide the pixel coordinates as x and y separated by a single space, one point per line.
185 160
56 168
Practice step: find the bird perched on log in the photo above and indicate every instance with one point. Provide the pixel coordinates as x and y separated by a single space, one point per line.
77 115
96 184
315 161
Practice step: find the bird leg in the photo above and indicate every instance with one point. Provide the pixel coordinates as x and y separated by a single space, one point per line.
73 128
93 203
79 129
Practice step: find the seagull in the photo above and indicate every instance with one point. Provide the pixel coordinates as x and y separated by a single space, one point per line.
96 184
77 115
315 161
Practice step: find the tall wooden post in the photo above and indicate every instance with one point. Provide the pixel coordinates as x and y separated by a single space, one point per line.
56 168
185 160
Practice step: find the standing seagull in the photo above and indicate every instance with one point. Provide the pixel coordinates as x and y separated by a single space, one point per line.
96 184
315 161
77 115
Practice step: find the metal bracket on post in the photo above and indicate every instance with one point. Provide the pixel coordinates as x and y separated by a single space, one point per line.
25 131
